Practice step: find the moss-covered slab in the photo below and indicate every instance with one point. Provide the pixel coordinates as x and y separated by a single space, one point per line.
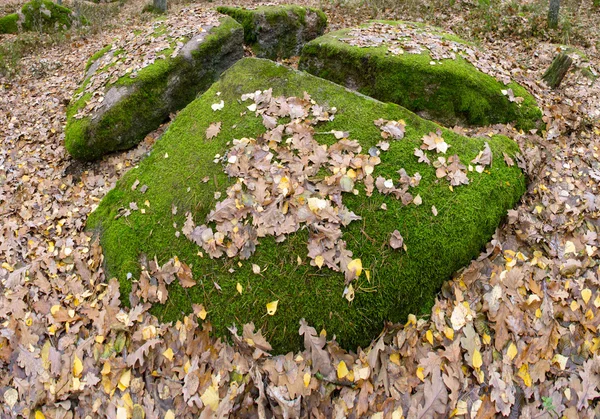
278 31
133 85
415 228
435 74
41 15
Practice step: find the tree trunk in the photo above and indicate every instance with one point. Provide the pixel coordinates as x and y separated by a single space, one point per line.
553 14
557 70
160 5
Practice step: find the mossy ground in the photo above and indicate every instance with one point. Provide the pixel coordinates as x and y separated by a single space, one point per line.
279 23
401 282
35 19
451 91
121 128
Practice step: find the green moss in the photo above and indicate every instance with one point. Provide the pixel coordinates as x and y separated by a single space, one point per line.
43 15
97 55
119 128
8 23
277 31
401 282
451 91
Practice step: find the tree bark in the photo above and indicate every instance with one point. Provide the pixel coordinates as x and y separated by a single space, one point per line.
160 5
557 70
553 14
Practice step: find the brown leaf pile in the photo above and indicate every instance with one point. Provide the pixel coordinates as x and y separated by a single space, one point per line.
514 334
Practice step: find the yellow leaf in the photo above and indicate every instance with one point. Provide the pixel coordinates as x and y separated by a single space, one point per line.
574 305
124 380
202 313
239 288
449 332
272 307
524 374
210 398
512 351
420 373
77 366
169 414
7 267
356 266
586 294
368 274
597 301
121 413
168 353
395 358
319 261
45 355
105 368
570 247
477 360
342 370
561 360
255 269
306 379
429 337
54 309
349 293
486 338
39 415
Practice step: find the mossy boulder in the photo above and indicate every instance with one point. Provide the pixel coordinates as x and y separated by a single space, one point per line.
132 86
41 15
422 69
278 31
181 175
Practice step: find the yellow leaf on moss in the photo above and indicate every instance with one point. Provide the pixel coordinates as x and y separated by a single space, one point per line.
319 260
239 288
355 266
272 307
77 366
342 370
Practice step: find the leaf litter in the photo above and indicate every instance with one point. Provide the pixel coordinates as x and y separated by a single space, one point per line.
515 333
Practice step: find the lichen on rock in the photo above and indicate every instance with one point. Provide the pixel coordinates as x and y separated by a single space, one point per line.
278 31
223 161
430 72
133 85
41 15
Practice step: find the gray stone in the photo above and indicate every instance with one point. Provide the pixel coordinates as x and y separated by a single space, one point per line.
132 86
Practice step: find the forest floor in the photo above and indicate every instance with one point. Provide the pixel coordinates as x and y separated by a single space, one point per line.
515 333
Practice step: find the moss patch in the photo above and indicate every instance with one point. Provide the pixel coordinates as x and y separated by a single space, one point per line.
163 87
400 282
452 91
43 15
278 31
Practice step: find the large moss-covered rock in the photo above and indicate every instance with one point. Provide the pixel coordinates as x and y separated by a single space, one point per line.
133 85
278 31
42 15
443 227
435 74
